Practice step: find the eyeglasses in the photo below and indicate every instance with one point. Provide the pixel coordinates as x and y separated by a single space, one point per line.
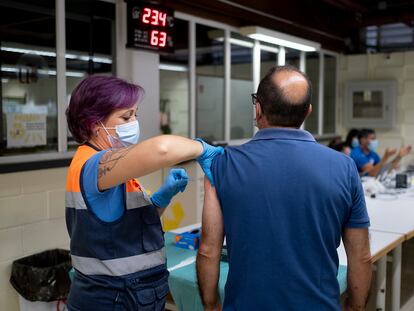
254 98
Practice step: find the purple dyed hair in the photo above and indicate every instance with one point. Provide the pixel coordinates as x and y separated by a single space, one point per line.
94 99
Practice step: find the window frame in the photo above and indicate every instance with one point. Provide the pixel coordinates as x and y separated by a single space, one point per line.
64 154
61 157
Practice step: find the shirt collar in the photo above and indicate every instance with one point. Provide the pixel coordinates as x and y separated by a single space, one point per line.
283 133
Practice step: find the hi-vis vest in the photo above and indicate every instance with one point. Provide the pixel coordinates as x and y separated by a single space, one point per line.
133 243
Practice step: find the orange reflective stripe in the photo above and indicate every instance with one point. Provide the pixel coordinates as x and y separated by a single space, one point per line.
133 185
81 156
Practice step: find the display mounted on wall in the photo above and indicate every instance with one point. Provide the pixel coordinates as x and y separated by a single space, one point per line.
150 27
370 104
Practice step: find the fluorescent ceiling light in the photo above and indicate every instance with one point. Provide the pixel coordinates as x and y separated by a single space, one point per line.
270 49
235 41
278 38
96 59
76 74
171 67
248 44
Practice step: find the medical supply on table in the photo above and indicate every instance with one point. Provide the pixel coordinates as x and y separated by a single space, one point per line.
188 239
372 186
401 181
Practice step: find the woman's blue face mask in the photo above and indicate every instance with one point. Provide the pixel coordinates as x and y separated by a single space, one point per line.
355 142
128 134
373 145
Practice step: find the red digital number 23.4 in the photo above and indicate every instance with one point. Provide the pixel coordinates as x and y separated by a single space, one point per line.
154 17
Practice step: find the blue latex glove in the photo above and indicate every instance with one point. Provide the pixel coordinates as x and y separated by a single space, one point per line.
206 158
175 182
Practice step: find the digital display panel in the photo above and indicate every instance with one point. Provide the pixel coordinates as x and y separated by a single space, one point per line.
150 27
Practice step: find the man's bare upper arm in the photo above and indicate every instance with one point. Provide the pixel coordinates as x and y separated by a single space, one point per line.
212 222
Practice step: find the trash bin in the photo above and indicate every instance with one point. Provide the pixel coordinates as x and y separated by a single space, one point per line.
42 279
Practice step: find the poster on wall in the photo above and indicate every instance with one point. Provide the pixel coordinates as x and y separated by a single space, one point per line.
26 130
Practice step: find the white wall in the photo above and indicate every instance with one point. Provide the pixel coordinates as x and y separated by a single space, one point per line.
174 87
140 68
398 66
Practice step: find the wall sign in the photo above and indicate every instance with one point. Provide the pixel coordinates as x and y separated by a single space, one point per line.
26 130
150 27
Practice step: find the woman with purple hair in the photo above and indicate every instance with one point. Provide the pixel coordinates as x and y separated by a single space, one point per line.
117 242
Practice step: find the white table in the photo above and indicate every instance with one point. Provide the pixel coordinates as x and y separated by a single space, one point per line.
381 243
393 214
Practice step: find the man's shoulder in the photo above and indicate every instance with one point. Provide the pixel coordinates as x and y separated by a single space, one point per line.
231 152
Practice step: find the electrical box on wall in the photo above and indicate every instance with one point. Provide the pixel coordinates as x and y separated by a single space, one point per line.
150 27
370 104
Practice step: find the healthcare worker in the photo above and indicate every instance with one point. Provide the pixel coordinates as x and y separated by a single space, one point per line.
117 242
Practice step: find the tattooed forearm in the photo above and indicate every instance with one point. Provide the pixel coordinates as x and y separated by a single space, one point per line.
110 159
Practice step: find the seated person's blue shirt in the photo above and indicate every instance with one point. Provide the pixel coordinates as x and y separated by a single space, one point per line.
107 205
361 159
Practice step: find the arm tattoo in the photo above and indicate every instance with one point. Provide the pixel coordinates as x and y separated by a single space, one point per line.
110 159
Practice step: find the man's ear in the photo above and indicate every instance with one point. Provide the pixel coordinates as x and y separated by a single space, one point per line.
258 109
309 110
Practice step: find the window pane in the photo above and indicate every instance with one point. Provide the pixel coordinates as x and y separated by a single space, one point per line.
312 70
267 61
210 83
89 43
174 85
28 78
368 104
241 88
293 57
329 96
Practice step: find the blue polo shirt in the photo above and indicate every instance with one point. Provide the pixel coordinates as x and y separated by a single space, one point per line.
285 201
361 158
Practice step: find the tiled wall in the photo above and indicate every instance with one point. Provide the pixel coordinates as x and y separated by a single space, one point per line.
32 210
394 66
31 220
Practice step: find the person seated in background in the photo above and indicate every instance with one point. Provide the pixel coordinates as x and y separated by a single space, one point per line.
335 141
352 138
367 159
341 147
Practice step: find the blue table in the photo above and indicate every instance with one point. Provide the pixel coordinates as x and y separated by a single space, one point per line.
183 281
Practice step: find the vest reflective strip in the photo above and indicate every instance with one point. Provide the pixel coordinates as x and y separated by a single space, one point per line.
137 199
133 200
119 266
75 200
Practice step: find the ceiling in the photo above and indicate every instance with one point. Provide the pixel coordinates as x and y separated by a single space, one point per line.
337 24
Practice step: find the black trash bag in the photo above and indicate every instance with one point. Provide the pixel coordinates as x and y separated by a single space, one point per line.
43 276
